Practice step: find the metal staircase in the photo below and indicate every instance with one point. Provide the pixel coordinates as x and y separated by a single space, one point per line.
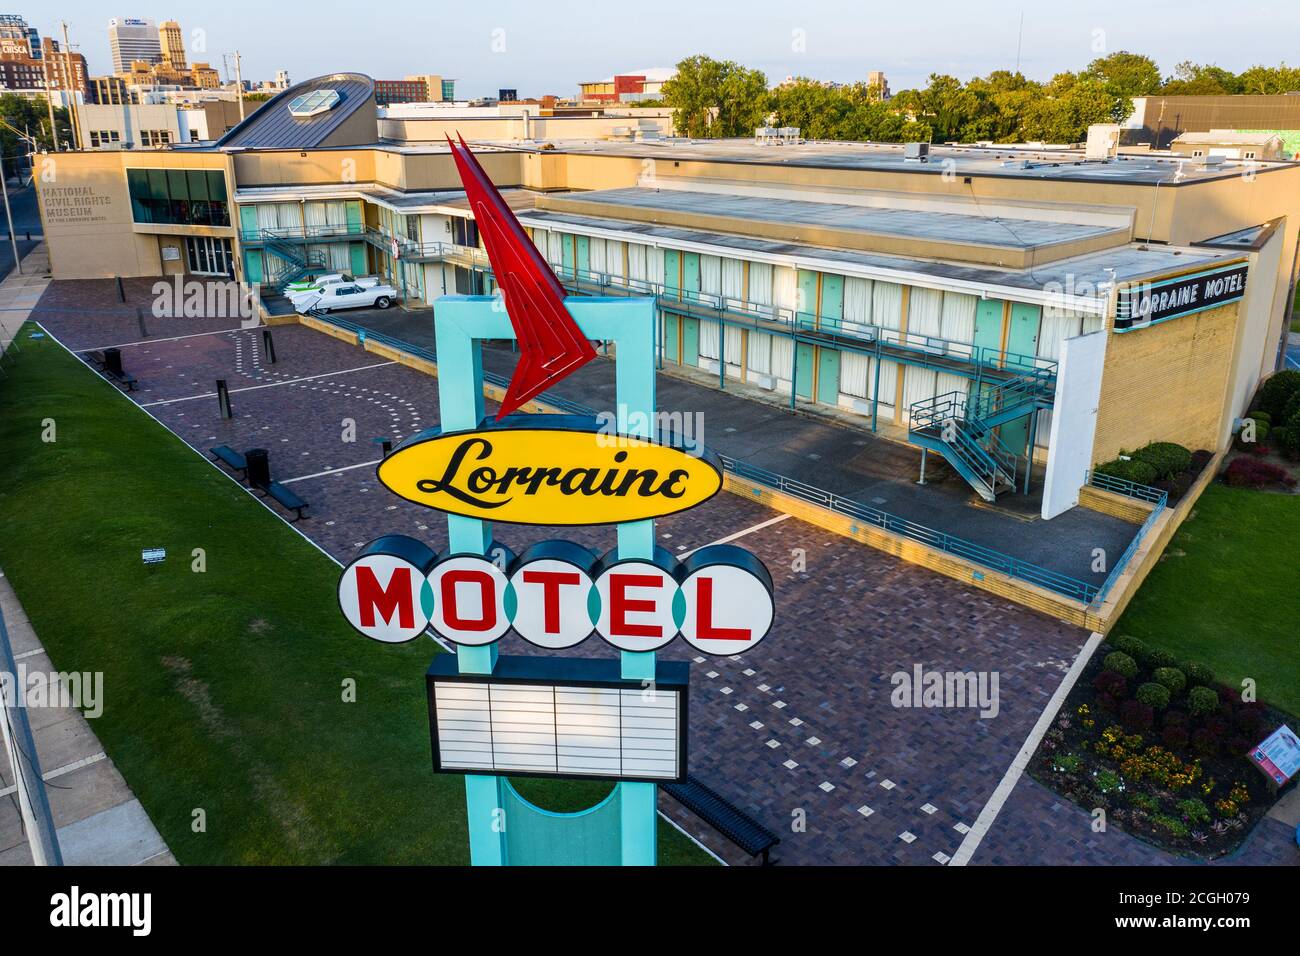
297 262
961 428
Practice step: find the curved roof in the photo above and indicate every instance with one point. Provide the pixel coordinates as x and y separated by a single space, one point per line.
274 126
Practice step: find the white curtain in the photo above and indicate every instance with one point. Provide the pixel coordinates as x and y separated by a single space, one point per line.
710 276
759 358
708 339
314 215
654 266
888 382
947 382
735 350
785 287
760 283
636 257
733 282
614 261
597 256
1058 325
925 312
918 385
959 317
336 213
855 374
857 301
1092 323
267 217
782 357
555 248
887 305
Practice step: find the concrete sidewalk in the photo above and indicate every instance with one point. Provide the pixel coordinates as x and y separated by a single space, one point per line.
832 455
98 820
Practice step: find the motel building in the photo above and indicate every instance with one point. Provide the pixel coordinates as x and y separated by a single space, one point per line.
989 304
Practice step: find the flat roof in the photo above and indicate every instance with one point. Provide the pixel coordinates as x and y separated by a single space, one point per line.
921 224
1092 271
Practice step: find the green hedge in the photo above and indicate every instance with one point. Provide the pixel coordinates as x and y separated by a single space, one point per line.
1138 472
1167 458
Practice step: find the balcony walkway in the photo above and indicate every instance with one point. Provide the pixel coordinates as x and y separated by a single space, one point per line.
832 455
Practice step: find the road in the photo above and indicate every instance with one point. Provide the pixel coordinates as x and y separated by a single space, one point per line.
27 221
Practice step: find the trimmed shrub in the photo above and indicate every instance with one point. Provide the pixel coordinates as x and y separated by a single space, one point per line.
1167 458
1249 719
1132 646
1206 742
1198 675
1159 657
1287 439
1202 700
1172 678
1259 415
1253 473
1155 696
1175 738
1138 472
1121 664
1136 716
1277 391
1111 683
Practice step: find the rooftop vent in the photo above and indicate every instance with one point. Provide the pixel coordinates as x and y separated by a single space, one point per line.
916 152
313 104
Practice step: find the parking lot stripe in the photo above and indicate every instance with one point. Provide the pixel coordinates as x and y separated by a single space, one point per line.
330 471
172 338
253 388
1009 780
739 534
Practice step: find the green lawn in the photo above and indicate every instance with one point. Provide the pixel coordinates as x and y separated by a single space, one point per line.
223 689
1227 593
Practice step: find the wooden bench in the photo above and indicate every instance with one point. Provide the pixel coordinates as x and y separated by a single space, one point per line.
233 459
725 817
286 498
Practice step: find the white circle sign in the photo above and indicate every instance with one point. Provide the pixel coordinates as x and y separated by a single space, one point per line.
468 600
552 600
380 595
728 610
636 606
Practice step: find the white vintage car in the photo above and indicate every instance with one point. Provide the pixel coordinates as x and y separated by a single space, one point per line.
345 295
311 284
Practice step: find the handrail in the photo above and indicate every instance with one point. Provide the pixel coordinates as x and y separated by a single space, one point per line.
1058 583
1130 489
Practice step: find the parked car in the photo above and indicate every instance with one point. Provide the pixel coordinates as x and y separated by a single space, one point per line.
345 295
311 284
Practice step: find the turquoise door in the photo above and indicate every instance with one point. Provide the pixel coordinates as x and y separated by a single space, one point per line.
671 338
690 341
803 370
806 304
672 272
248 222
832 309
828 376
691 276
566 254
584 257
1022 344
253 266
357 253
988 329
356 225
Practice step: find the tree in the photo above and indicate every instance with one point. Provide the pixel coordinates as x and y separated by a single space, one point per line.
716 98
25 114
1195 79
1124 75
1270 80
1068 106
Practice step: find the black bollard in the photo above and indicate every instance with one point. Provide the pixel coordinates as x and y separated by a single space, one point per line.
121 289
259 467
139 320
223 397
268 345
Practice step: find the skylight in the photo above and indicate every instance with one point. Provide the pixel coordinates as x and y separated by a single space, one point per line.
313 103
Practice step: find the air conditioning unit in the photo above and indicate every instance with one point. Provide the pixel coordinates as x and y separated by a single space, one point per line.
916 152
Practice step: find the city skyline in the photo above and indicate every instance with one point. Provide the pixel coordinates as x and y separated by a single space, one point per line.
515 46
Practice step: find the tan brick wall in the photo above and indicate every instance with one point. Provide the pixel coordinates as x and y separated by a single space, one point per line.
1168 382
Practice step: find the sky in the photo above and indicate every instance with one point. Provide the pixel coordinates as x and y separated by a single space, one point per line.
549 46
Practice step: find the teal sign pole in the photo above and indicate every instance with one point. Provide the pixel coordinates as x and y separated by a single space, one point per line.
461 323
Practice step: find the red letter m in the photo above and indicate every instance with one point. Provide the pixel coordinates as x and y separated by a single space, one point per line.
396 597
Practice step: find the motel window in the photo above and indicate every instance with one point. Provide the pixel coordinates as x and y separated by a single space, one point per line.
1250 154
178 197
464 232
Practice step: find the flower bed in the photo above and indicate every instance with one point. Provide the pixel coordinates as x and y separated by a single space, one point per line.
1161 748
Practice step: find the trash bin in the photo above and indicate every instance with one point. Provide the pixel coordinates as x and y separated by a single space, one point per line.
113 361
259 467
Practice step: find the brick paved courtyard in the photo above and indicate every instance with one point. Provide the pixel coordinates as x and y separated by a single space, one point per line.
800 731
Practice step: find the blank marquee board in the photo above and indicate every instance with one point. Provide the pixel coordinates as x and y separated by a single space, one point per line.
559 717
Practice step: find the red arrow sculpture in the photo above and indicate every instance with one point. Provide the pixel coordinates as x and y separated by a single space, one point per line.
550 343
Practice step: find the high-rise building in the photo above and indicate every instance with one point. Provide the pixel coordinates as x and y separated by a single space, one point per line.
133 39
172 42
876 80
16 38
63 71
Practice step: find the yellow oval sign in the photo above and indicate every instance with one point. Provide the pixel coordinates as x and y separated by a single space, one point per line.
575 474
